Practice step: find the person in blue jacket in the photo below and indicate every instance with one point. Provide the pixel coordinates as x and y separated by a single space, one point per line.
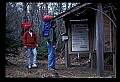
51 55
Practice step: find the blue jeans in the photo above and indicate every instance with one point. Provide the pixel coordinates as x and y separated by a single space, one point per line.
51 55
29 55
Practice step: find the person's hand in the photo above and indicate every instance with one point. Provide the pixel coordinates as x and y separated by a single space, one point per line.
36 45
54 46
25 46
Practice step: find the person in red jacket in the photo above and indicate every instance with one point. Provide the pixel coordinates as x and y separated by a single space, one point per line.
30 42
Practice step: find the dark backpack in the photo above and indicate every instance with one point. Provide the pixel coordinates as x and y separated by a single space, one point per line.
22 32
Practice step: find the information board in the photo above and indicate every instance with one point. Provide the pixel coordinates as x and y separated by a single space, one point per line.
80 40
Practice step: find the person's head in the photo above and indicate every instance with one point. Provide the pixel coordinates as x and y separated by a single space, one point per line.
30 28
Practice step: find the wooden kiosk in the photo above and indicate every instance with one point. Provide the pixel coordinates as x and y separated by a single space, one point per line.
90 30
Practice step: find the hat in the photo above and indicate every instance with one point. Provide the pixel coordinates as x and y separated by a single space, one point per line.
30 26
25 25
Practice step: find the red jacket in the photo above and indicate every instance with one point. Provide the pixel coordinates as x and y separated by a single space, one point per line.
29 41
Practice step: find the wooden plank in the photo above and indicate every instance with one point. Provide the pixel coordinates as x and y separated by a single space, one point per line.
67 56
99 41
93 60
107 34
114 49
114 63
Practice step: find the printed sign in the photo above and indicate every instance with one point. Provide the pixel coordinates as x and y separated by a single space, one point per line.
80 41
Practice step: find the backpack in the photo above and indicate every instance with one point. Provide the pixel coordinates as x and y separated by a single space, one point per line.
47 18
24 27
45 28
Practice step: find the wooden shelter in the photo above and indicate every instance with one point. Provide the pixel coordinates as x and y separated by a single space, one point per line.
91 29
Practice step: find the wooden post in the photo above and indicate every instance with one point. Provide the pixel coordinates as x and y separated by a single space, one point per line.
92 62
91 59
114 63
114 49
99 41
67 56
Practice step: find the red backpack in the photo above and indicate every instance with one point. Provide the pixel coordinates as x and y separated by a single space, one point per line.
47 18
24 27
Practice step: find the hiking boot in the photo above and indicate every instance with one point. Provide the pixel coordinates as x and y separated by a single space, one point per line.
29 66
51 69
55 69
34 65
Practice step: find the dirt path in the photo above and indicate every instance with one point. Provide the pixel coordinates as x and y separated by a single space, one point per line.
19 70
